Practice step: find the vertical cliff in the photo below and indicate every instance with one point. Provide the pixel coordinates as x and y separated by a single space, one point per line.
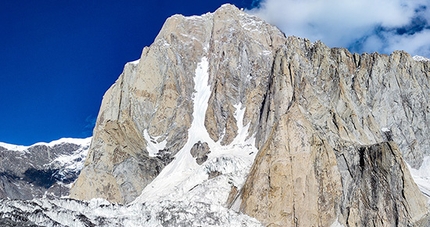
359 112
332 129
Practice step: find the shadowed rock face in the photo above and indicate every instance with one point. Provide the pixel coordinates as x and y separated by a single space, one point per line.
380 190
332 128
40 170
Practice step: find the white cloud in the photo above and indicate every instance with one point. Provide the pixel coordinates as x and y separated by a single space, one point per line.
361 25
417 43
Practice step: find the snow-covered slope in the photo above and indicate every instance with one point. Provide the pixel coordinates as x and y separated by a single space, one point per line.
422 176
97 212
81 142
42 169
420 58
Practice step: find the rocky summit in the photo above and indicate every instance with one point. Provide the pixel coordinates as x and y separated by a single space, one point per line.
225 121
332 129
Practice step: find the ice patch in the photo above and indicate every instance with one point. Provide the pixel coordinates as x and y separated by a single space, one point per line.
336 224
153 147
421 176
266 52
236 204
136 62
13 147
385 129
81 142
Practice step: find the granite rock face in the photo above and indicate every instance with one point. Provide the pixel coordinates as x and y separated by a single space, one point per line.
380 190
295 180
354 103
333 129
153 98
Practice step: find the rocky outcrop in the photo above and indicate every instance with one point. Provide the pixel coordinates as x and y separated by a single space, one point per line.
380 190
153 97
295 180
41 170
354 103
332 128
200 151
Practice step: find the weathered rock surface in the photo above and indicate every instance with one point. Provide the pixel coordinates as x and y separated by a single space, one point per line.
154 96
351 101
332 128
380 191
295 180
200 151
41 170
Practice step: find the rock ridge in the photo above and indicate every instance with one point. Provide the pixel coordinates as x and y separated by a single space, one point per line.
43 170
332 128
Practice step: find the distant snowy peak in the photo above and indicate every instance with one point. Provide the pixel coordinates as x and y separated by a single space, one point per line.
13 147
420 58
85 142
42 170
78 141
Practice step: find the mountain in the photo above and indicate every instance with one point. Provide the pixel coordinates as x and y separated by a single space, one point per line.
225 121
332 129
43 170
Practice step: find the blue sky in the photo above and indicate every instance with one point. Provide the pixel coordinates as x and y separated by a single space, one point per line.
58 57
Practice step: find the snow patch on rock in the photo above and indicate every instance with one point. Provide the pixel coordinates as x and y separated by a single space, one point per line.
77 141
421 176
420 58
153 147
183 180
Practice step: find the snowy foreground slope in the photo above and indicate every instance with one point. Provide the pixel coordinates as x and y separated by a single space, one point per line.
67 212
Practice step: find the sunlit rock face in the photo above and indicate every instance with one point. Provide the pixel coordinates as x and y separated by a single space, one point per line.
354 104
291 132
154 98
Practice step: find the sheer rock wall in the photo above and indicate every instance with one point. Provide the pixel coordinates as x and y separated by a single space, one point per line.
333 128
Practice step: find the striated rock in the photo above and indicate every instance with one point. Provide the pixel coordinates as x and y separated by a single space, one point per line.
379 190
332 128
351 101
154 96
295 180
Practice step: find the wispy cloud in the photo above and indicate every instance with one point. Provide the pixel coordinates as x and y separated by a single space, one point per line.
360 25
90 123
